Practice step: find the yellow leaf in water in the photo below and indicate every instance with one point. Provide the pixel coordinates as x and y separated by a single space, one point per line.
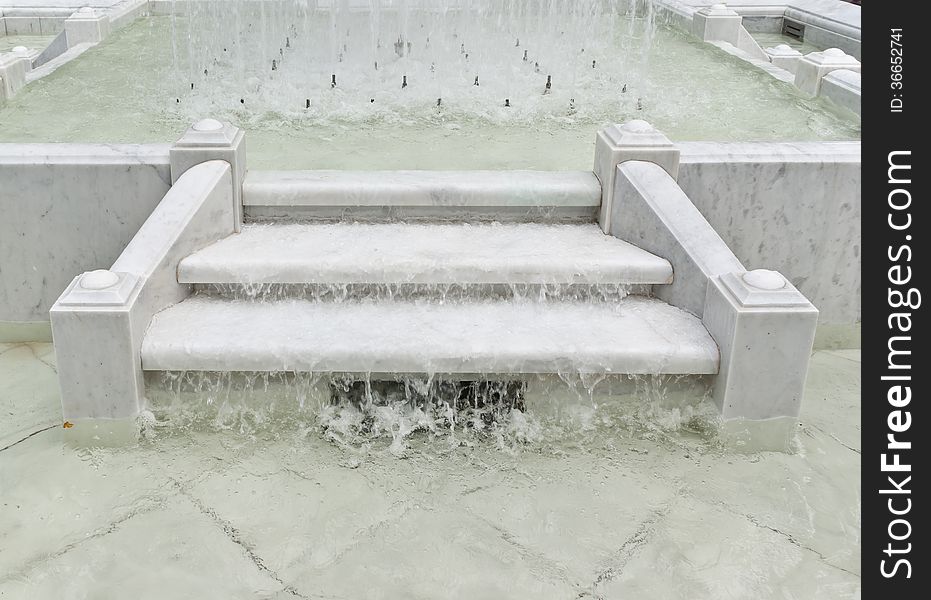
68 425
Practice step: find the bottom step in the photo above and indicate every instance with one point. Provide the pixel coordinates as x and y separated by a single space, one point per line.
637 335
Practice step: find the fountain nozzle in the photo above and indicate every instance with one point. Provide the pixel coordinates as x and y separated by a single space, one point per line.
307 103
549 84
507 103
404 82
476 80
333 80
274 65
525 56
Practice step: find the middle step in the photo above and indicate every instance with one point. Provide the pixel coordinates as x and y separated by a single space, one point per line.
428 253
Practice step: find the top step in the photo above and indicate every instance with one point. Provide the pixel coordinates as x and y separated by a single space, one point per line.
449 195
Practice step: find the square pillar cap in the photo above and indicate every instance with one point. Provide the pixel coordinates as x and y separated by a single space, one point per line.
100 288
783 51
209 133
636 133
763 288
832 57
85 13
718 10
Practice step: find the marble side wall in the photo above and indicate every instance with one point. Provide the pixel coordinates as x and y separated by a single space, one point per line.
69 208
794 208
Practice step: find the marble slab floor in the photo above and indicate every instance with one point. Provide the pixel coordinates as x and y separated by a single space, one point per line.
640 510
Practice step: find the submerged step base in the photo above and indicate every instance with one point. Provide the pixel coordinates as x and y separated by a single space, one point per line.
433 292
636 335
400 195
423 253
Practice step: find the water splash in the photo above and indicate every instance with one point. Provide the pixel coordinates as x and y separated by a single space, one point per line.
392 413
347 57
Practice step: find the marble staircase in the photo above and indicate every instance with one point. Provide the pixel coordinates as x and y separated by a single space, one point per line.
303 290
492 274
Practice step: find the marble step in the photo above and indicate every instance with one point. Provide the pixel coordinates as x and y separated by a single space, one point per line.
406 195
637 335
412 253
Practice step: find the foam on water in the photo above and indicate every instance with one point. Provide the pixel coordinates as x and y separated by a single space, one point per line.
393 412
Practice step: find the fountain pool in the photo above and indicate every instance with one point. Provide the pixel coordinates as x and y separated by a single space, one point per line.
136 87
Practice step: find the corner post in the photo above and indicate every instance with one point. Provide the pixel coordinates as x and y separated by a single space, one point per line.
784 56
13 68
206 140
634 140
812 68
765 329
717 23
86 26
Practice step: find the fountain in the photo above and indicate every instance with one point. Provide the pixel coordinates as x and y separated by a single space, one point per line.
437 48
472 278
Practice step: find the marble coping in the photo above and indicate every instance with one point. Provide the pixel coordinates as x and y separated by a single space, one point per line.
638 335
651 211
435 253
53 6
83 154
765 152
836 11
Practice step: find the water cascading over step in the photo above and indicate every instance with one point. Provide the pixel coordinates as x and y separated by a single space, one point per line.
307 291
462 285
